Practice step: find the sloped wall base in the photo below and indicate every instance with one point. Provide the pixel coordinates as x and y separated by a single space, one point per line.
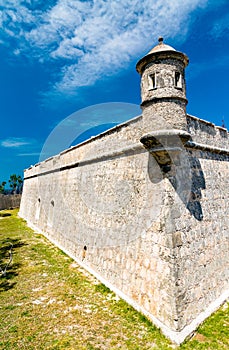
175 337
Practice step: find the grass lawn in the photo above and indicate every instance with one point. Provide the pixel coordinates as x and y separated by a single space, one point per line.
48 302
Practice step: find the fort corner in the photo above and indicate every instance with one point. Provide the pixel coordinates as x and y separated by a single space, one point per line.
144 205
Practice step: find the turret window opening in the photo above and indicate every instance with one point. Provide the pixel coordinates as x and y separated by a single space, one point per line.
178 80
152 78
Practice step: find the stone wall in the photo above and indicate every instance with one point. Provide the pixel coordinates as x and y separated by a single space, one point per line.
99 202
205 132
158 238
200 225
9 201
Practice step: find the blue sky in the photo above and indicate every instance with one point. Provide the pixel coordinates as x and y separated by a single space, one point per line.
59 57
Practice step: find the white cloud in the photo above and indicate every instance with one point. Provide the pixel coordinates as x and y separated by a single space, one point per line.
15 142
96 38
221 27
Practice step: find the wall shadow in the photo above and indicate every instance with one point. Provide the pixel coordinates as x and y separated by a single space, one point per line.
186 177
6 281
198 184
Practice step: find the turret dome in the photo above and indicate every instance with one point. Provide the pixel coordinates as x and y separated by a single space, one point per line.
161 47
161 50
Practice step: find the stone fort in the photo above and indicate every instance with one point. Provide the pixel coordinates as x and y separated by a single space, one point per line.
143 206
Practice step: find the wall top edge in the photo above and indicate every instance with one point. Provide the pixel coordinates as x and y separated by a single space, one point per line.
104 133
207 122
116 128
93 138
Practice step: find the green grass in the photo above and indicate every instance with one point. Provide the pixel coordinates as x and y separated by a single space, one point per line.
47 301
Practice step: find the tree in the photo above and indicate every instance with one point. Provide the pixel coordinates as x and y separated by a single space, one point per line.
16 183
2 187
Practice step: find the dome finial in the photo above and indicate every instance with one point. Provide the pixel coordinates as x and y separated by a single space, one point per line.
160 39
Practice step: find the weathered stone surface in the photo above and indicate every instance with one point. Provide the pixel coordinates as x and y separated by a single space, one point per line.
9 201
159 238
